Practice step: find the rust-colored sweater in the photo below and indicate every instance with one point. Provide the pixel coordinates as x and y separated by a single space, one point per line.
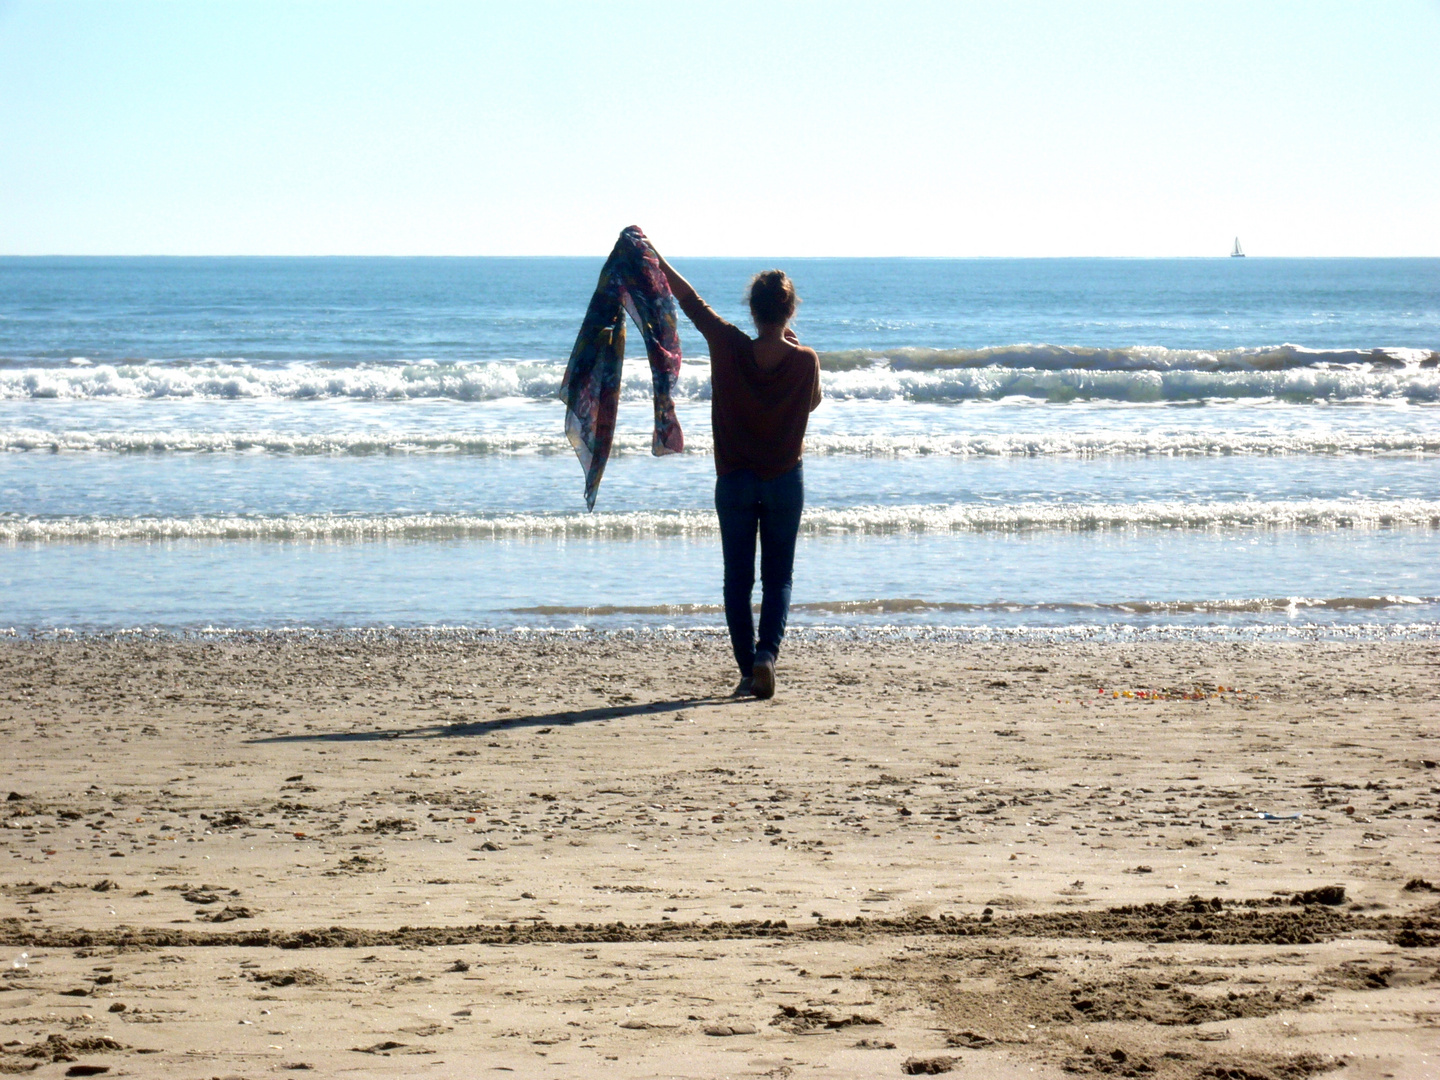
759 417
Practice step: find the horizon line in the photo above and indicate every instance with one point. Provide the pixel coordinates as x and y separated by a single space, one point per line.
593 255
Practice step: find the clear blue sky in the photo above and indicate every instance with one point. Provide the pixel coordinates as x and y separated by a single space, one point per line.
832 128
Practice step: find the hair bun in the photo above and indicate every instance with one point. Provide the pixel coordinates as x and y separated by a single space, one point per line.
772 298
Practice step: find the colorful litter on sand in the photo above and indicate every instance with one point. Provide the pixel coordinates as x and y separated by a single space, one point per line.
1195 693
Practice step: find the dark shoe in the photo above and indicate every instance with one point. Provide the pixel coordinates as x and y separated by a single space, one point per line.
763 681
744 688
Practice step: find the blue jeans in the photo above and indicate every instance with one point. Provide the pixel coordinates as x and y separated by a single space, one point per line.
744 504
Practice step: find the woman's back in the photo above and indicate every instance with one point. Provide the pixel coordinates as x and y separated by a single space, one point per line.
769 355
761 394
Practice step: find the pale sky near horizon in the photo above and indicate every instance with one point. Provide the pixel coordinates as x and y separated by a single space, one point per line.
734 128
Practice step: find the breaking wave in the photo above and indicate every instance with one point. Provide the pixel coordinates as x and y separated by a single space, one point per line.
237 380
1134 358
820 521
1152 385
1044 372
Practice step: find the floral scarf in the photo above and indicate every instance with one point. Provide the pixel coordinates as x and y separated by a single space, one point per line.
630 281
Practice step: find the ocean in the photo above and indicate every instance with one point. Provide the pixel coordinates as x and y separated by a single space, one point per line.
1071 447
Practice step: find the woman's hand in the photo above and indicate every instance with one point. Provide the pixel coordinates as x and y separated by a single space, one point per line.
789 336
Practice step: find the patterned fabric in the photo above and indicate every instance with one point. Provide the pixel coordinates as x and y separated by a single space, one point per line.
631 281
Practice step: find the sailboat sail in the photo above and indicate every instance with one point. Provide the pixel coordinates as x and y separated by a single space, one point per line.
1235 252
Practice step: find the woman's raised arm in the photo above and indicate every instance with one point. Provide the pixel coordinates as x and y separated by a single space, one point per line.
706 321
682 289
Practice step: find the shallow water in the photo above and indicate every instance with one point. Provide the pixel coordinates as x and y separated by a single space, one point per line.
1005 443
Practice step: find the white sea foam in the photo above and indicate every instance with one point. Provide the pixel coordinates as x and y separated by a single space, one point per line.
820 521
1026 444
1134 358
1042 372
992 383
359 444
298 381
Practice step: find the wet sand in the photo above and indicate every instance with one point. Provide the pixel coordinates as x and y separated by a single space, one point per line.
389 854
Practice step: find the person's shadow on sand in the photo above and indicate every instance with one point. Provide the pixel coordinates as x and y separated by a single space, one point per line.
470 729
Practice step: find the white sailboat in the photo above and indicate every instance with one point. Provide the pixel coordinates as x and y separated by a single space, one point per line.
1235 252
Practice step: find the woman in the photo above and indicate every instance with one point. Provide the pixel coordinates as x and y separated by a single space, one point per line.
762 392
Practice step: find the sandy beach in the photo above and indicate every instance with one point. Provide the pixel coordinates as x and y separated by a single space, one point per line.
451 855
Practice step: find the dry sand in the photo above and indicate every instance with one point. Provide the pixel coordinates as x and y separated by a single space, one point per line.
459 856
